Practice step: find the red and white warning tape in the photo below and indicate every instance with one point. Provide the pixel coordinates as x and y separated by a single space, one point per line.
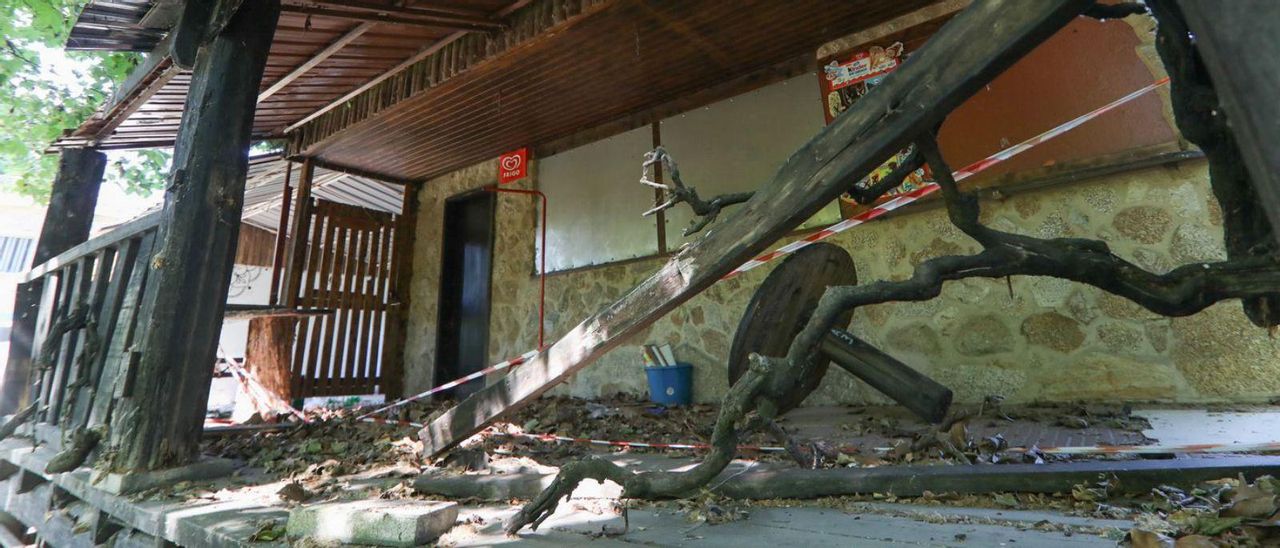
959 175
1066 450
454 383
636 444
1266 447
890 205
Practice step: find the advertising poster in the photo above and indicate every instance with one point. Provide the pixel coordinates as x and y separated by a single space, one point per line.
847 78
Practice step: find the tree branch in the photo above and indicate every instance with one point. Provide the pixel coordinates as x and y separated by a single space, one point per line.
707 210
737 403
1181 292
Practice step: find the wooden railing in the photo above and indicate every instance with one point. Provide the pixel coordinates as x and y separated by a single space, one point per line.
88 320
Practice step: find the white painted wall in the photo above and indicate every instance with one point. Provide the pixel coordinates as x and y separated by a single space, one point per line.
249 285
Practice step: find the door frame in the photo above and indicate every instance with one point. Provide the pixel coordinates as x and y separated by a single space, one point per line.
440 294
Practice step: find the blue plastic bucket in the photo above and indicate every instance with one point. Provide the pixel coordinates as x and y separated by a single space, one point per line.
672 385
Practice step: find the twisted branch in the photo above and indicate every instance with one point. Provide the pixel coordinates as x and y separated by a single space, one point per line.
706 210
741 399
1180 292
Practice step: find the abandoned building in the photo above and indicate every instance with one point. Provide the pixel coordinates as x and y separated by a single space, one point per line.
672 272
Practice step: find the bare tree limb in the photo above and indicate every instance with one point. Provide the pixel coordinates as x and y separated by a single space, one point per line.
740 400
707 210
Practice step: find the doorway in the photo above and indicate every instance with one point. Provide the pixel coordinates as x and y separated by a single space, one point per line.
462 344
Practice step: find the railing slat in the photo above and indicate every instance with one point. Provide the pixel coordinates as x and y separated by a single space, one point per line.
86 346
120 233
122 259
71 340
46 316
125 331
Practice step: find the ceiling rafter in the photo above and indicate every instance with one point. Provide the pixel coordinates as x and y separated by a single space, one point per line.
396 18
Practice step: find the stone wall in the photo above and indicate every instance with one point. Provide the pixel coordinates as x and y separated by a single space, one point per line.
1028 339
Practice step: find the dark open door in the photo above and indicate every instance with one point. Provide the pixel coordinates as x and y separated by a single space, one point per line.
463 336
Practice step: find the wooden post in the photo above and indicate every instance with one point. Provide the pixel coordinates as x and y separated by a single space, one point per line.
1234 38
282 236
160 417
66 224
299 242
399 294
268 354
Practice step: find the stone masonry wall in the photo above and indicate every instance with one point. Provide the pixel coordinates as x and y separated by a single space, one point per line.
1051 340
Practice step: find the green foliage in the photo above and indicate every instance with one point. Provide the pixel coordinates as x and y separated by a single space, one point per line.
47 92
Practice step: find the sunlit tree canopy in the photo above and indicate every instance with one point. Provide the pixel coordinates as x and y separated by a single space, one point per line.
47 91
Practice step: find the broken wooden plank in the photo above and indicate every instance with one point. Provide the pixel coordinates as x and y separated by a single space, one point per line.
962 57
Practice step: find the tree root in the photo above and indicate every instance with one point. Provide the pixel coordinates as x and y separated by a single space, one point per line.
742 398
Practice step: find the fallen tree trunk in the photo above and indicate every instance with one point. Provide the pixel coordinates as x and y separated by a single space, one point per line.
955 63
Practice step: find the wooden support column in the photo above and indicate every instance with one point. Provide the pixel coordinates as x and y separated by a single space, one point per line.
161 411
279 260
299 242
66 224
400 294
268 354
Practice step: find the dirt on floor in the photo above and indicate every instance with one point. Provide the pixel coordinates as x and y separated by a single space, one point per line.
335 456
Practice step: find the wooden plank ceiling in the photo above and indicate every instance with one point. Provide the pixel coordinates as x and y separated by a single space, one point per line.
628 57
621 57
353 46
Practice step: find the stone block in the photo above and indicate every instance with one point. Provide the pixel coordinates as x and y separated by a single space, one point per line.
374 522
1053 330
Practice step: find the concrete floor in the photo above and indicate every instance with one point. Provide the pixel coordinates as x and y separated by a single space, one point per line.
875 525
1187 426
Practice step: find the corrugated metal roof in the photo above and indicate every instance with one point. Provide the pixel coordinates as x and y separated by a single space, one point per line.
115 25
264 186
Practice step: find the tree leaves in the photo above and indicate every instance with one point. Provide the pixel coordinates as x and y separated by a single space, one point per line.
48 92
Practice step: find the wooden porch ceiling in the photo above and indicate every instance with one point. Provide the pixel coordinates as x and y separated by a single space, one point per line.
623 59
322 51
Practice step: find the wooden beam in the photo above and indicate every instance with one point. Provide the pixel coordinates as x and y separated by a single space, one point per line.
396 19
422 54
299 243
316 59
1240 49
66 223
119 232
959 60
1135 476
160 414
416 9
282 237
188 35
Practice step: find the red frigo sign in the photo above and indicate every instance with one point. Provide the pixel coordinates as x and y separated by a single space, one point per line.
513 166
